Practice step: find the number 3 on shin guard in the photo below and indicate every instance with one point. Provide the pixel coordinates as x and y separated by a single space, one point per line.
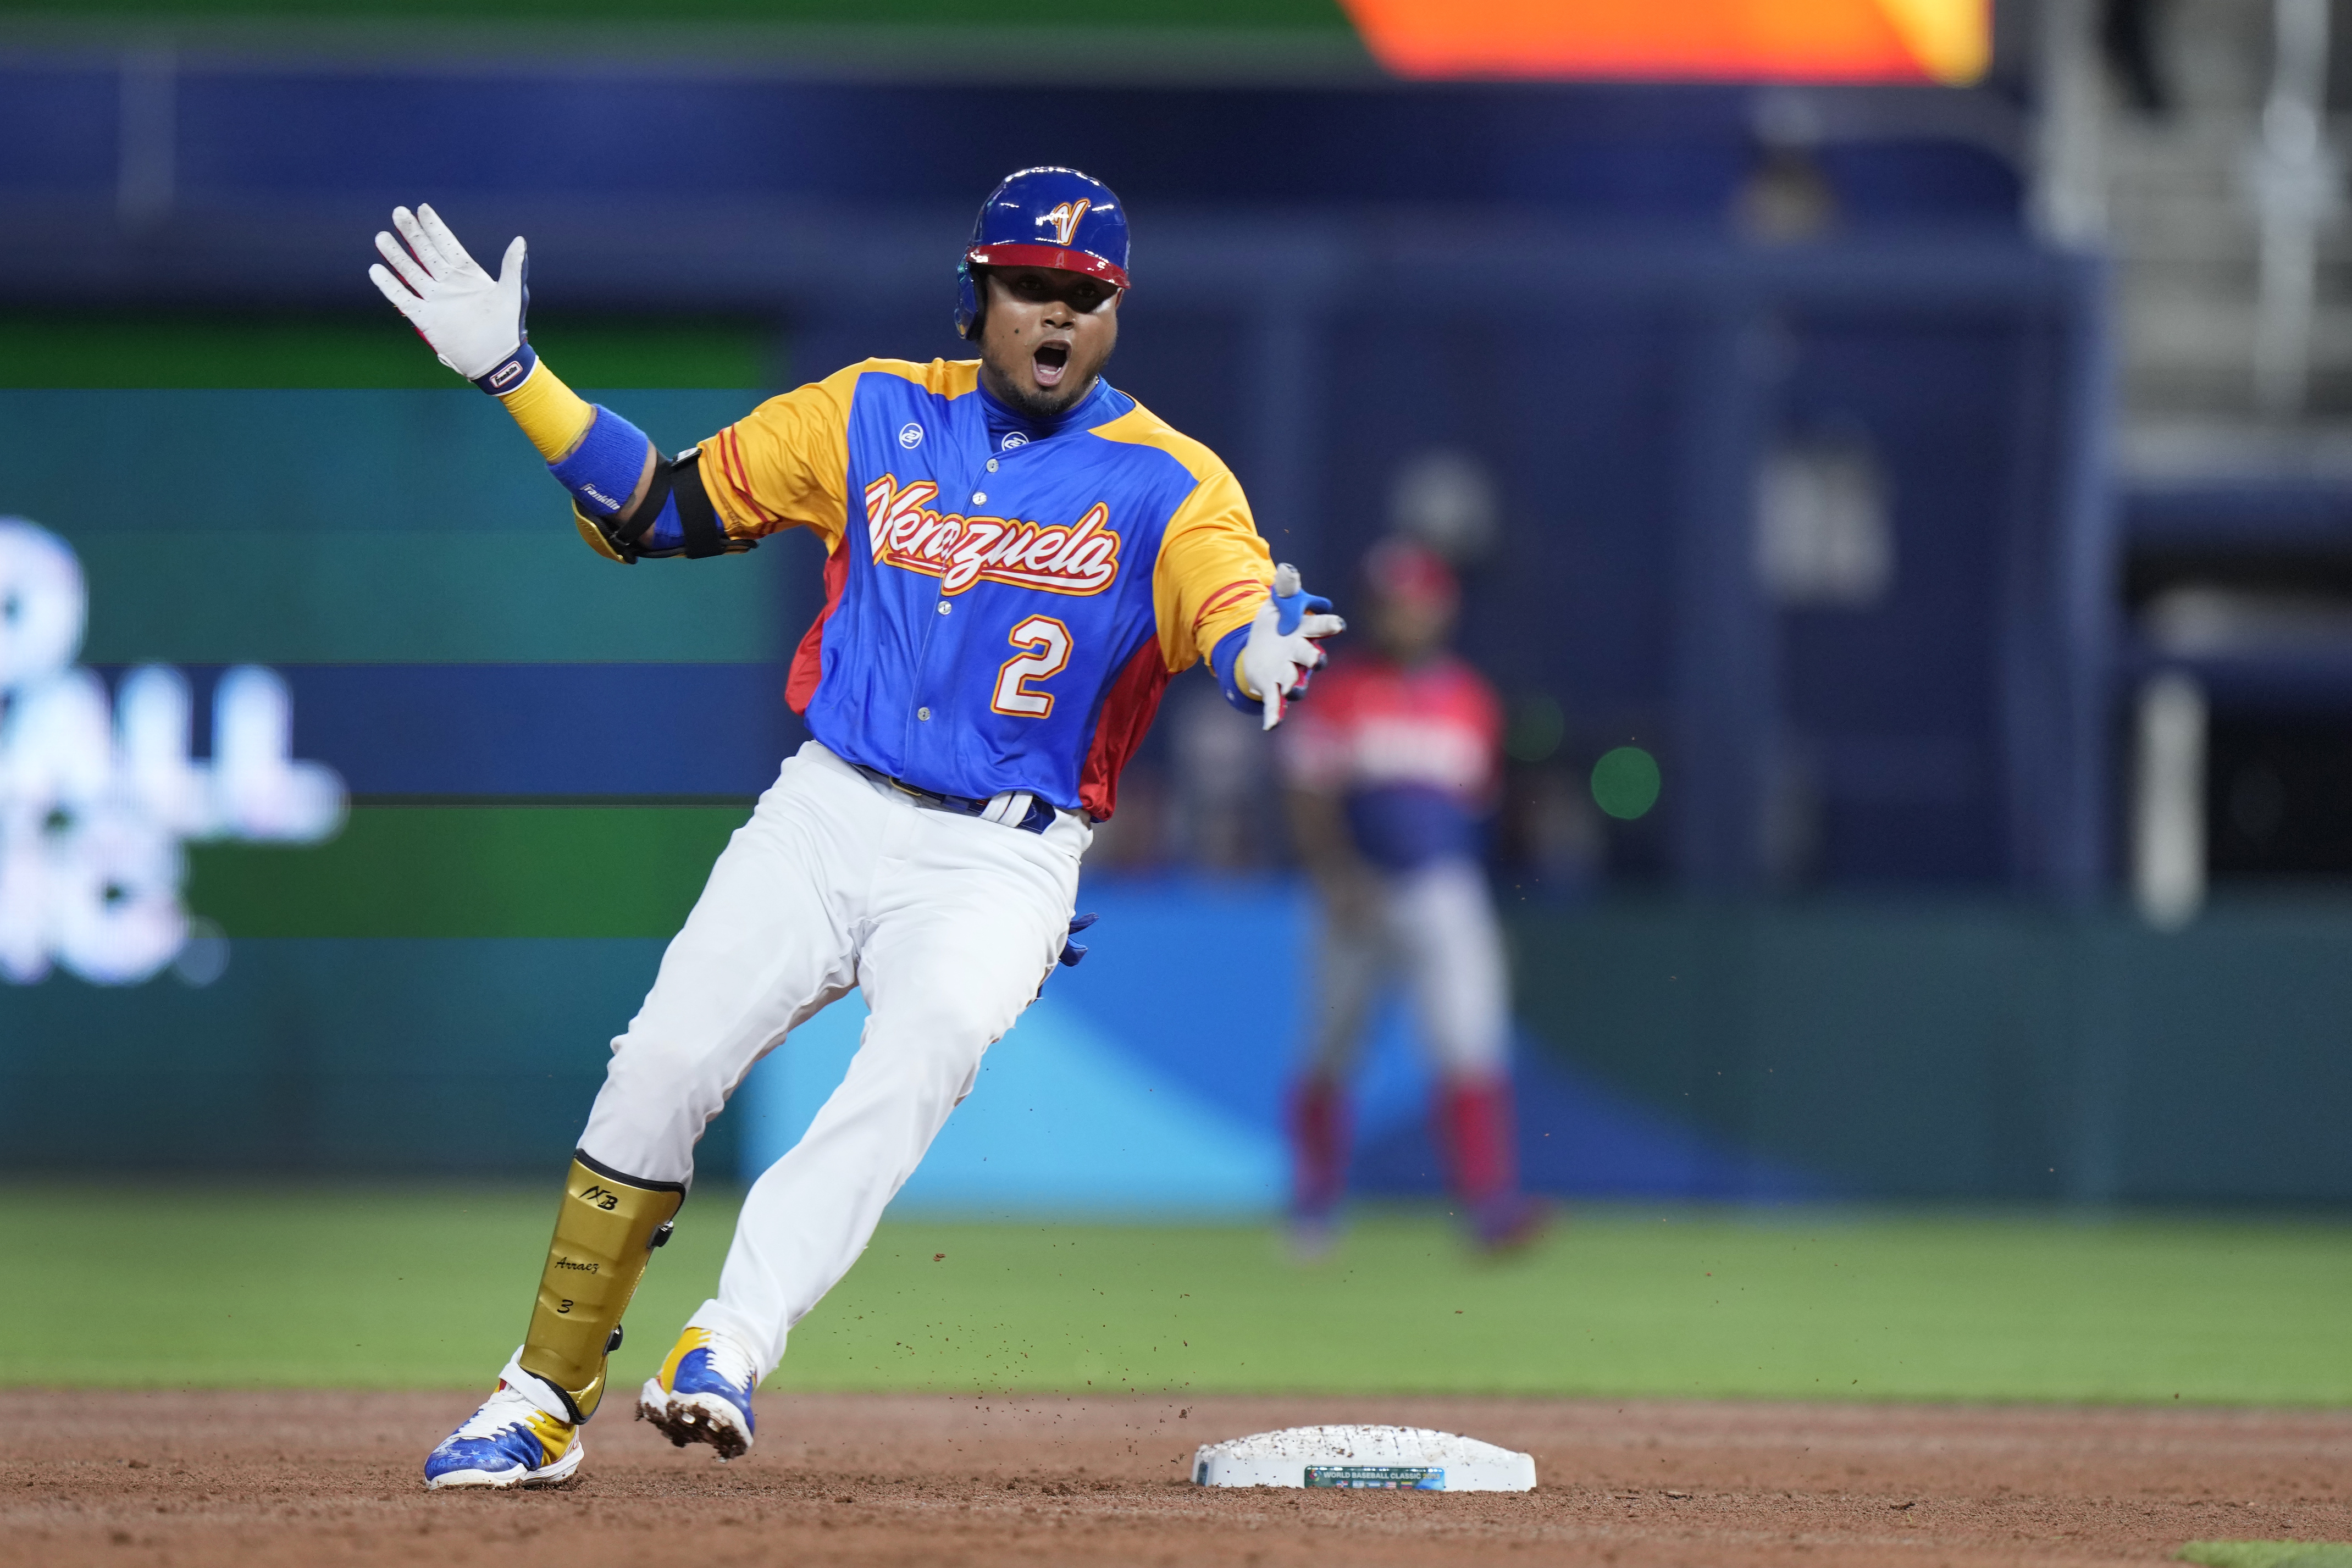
604 1234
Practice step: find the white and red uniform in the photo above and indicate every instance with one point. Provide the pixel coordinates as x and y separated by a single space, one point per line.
1413 756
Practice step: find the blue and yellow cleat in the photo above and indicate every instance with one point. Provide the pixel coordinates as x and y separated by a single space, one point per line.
508 1442
703 1393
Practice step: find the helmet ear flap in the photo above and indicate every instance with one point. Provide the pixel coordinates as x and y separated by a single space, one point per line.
971 298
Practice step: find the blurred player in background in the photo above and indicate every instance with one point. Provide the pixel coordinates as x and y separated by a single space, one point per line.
1390 770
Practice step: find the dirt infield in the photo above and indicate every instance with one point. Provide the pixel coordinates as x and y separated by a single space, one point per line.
201 1479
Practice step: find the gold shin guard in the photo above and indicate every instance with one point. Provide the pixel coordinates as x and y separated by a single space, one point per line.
604 1235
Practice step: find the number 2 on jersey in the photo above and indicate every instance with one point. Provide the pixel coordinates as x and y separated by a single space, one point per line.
1046 642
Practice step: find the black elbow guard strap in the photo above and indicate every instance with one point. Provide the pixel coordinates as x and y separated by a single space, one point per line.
675 518
677 497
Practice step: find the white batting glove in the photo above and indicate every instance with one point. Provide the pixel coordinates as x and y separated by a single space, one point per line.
474 322
1281 651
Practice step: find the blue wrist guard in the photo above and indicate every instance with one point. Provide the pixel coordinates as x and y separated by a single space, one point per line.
675 518
603 471
1225 663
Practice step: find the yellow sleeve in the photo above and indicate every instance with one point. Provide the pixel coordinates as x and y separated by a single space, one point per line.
786 464
1213 572
553 415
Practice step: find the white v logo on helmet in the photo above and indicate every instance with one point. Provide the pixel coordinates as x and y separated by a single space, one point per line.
1065 219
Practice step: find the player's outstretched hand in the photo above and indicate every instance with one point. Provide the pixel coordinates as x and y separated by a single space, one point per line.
1282 650
474 322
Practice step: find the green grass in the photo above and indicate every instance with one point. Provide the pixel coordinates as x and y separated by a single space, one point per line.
425 1287
177 349
2267 1553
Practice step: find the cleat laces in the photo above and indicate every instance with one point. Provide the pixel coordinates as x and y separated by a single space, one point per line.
501 1413
731 1362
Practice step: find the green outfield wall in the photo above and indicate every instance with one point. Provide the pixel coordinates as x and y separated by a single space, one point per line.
1242 40
1924 1051
1950 1049
1181 15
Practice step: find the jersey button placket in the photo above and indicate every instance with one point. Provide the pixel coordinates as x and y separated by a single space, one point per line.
923 712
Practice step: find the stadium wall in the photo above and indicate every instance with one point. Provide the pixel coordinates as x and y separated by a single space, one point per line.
1925 1049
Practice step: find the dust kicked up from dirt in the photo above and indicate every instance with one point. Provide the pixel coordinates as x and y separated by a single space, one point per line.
192 1480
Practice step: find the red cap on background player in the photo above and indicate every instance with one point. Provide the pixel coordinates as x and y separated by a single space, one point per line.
1410 571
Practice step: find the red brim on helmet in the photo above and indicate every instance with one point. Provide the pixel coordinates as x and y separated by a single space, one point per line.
1054 256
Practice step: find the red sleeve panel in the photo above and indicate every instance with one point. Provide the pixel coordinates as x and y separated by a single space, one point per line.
808 660
1127 714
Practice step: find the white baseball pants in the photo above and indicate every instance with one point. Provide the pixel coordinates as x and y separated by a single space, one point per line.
1435 927
947 924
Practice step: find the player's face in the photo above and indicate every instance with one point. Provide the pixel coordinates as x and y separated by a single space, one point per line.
1045 336
1409 628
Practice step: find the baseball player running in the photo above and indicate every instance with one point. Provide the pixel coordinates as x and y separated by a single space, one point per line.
1389 774
1018 558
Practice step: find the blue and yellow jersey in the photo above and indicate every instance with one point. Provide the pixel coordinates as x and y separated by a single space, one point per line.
1005 601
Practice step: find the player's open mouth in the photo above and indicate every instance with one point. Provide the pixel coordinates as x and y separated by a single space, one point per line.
1049 363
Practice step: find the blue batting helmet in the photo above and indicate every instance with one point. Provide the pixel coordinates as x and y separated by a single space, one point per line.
1043 217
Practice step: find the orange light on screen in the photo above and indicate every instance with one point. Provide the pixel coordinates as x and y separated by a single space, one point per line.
1945 41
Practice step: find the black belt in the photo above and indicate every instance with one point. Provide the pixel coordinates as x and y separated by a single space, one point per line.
1039 818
